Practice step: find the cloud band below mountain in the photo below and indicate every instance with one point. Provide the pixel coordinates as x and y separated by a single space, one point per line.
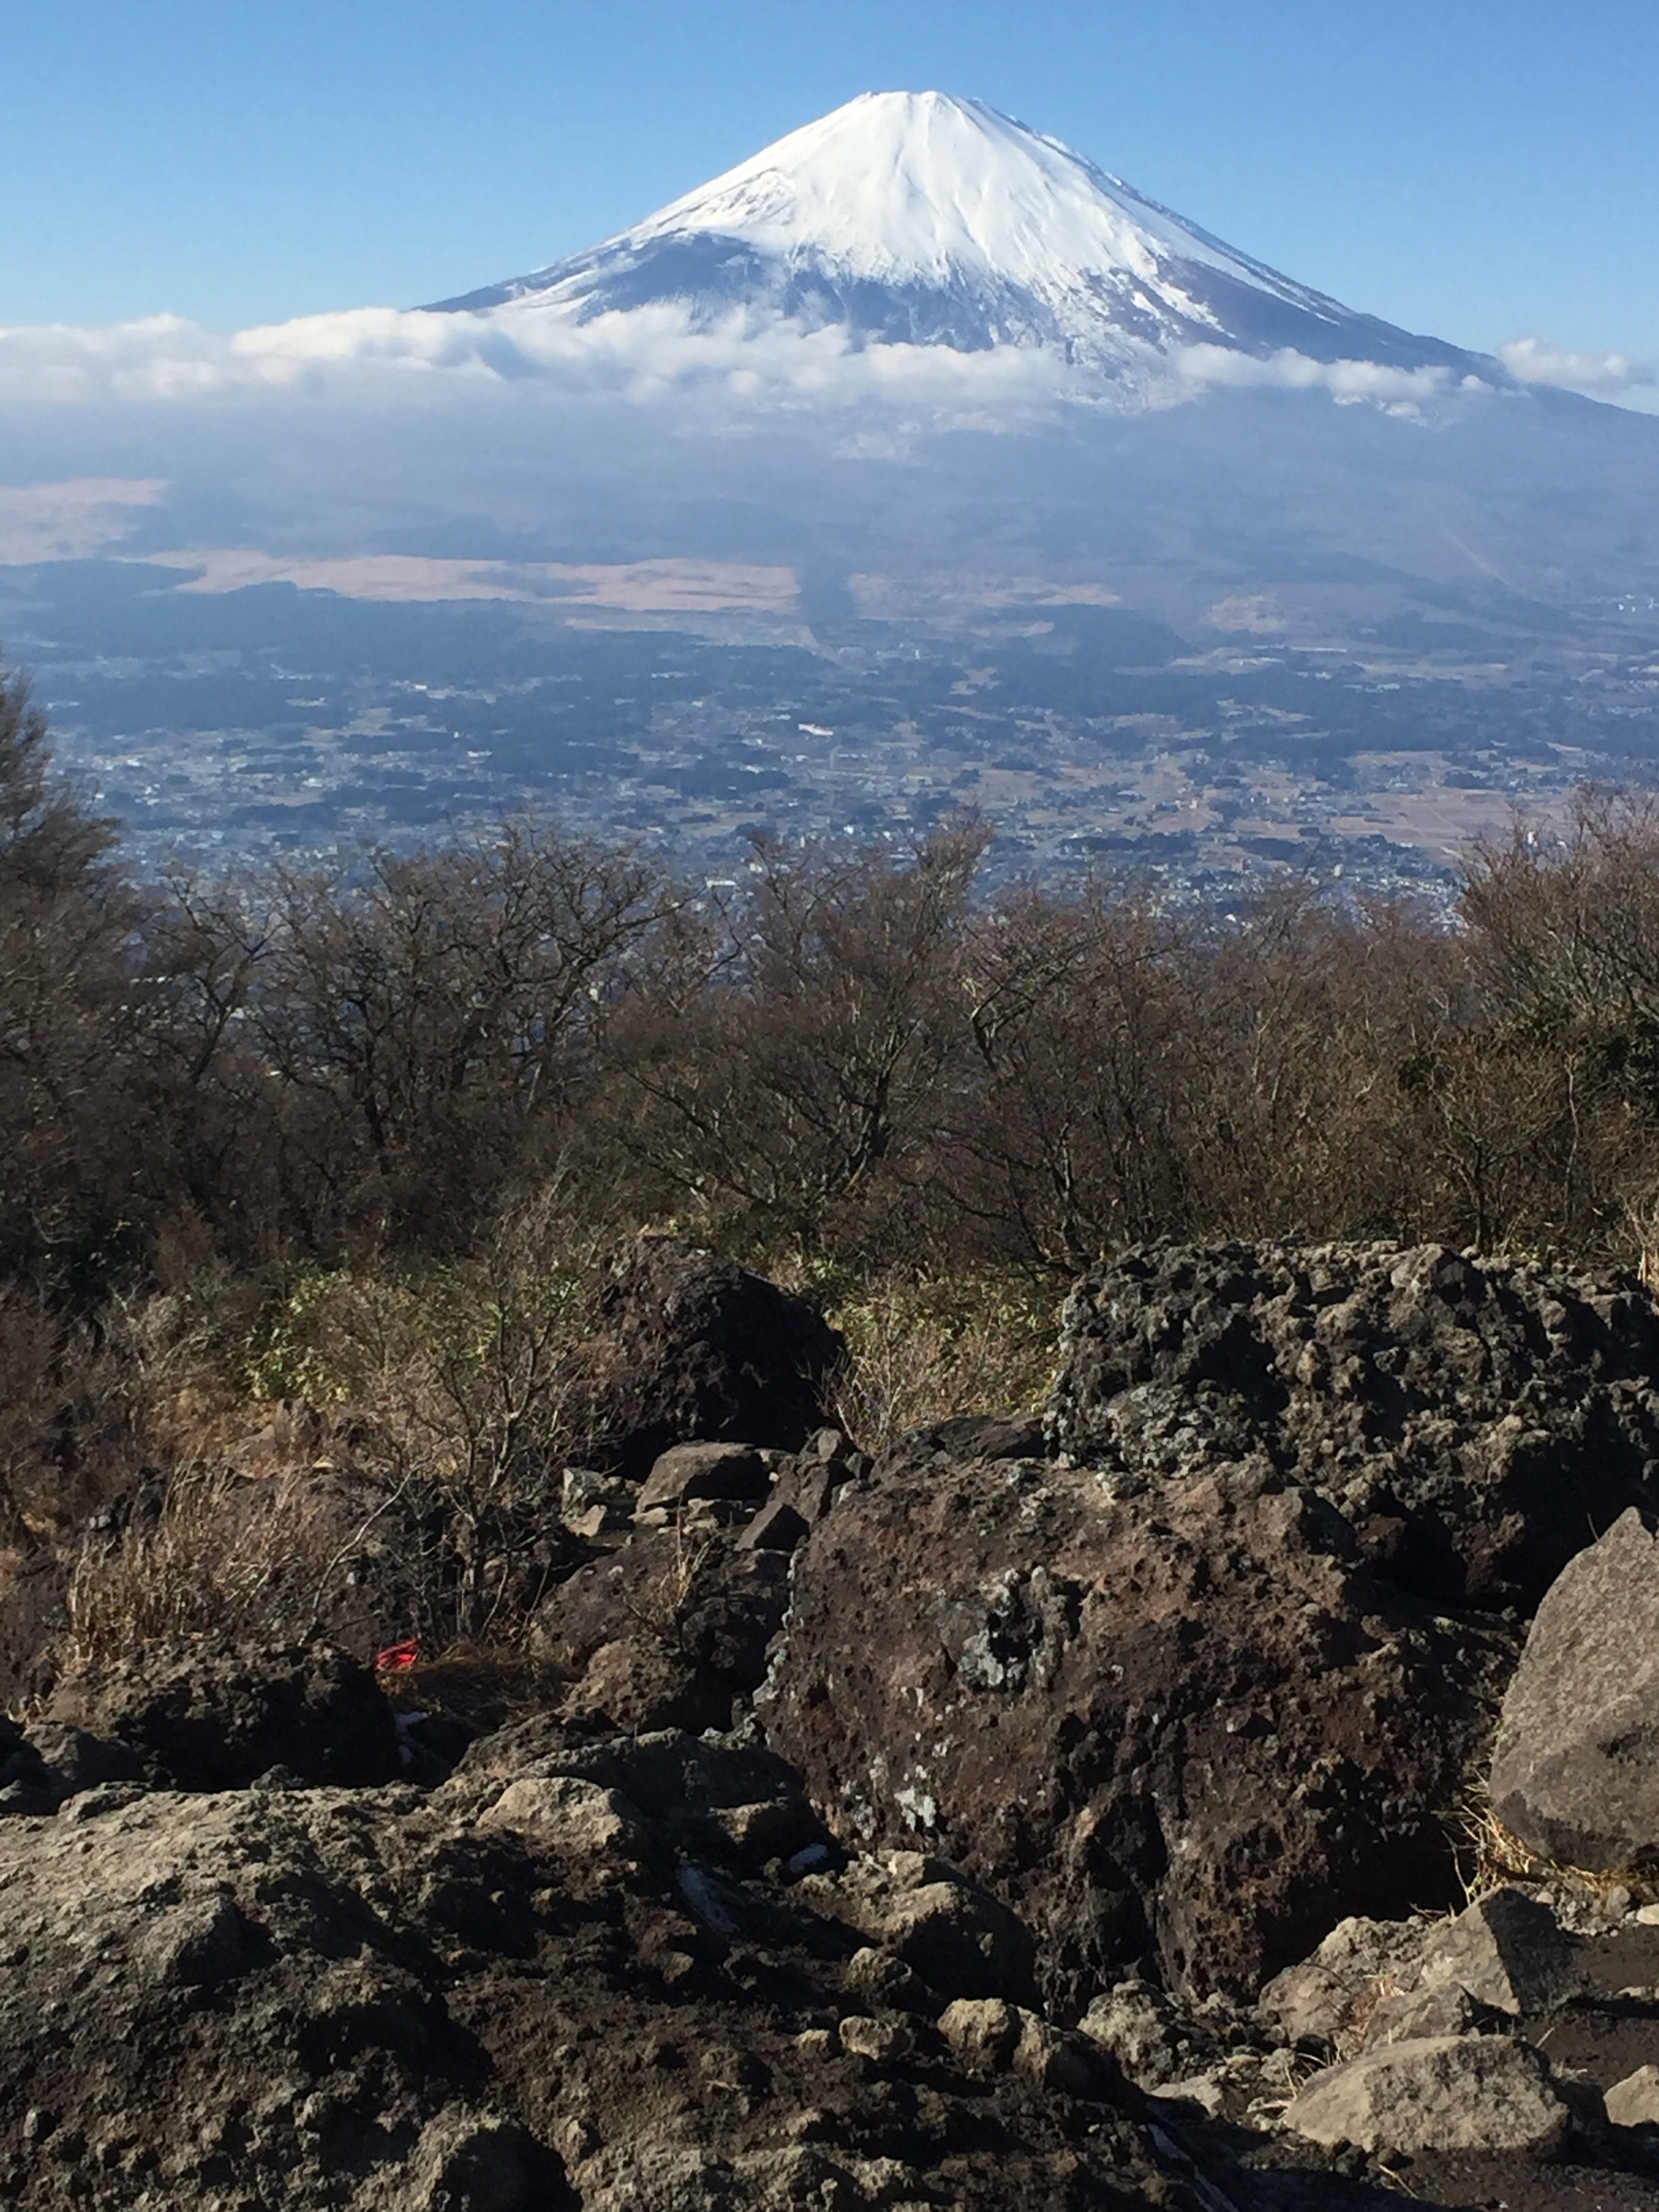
383 355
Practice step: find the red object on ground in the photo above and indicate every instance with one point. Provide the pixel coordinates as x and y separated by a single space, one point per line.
398 1658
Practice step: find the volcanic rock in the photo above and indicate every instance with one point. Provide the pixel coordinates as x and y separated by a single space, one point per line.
690 1347
1506 1950
667 1630
1575 1772
1471 1419
1148 2036
1191 1725
1324 1998
734 1472
1467 2093
200 1714
956 1936
1634 2102
553 1982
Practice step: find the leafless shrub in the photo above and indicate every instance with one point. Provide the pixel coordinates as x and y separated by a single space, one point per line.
787 1074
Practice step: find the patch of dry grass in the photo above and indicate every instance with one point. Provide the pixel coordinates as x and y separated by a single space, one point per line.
1494 1857
921 1352
213 1552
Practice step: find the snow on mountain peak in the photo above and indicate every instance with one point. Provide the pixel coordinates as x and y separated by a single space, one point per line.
897 186
921 218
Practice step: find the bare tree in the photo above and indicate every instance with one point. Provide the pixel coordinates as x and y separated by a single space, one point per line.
72 1136
802 1074
431 1016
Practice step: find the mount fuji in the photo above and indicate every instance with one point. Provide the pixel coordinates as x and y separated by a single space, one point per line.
920 219
916 457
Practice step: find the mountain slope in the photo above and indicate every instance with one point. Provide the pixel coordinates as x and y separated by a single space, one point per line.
918 218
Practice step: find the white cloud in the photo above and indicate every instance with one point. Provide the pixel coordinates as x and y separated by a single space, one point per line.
1351 383
744 365
1612 376
715 377
383 354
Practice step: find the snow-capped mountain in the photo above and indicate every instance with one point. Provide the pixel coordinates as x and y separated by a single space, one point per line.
922 219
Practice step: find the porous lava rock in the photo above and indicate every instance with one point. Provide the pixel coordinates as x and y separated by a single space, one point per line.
564 1978
1475 1420
1190 1726
669 1630
690 1348
1575 1771
207 1714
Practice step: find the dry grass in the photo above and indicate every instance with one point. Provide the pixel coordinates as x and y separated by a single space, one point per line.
215 1553
484 1684
85 1405
459 1384
926 1351
659 1601
1494 1857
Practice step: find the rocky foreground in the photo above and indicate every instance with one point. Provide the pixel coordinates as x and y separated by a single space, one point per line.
1242 1790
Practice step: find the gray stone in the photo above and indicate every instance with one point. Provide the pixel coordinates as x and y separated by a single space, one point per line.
1412 2015
1507 1951
1321 1998
562 1817
778 1527
991 2036
1136 2024
1200 2089
1444 2093
1575 1772
1049 2059
590 1499
881 2041
982 2032
957 1936
1634 2102
690 1472
80 1761
883 1980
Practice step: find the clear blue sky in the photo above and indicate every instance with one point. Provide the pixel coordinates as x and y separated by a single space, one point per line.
1477 167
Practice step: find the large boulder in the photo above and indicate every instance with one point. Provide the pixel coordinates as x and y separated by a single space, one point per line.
1193 1726
1473 1419
690 1348
1445 2093
202 1713
1575 1772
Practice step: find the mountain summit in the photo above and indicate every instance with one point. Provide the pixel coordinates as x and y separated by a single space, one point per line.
913 217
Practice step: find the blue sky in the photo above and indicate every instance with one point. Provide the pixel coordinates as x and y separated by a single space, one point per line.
1482 168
